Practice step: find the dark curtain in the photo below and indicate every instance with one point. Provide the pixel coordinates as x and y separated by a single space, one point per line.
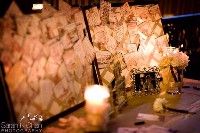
179 7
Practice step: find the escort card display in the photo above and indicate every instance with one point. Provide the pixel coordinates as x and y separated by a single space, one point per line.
47 59
134 32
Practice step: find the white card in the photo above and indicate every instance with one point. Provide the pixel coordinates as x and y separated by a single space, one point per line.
150 129
127 130
149 117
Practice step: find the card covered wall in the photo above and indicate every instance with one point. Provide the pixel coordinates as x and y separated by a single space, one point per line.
47 59
135 32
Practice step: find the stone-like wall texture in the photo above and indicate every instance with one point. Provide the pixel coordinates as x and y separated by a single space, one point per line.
47 58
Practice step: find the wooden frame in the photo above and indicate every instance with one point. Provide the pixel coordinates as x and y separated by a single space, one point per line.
6 106
67 98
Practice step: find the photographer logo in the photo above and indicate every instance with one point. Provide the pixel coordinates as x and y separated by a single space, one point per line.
30 123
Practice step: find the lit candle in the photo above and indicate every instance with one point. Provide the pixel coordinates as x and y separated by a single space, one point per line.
97 105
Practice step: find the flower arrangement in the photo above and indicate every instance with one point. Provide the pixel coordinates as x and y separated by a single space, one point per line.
175 59
158 105
171 67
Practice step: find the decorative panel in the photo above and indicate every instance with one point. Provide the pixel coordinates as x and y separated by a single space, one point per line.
133 35
47 58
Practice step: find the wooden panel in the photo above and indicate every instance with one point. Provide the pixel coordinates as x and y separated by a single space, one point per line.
47 59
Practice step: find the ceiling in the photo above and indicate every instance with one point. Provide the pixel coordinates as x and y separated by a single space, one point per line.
26 5
167 7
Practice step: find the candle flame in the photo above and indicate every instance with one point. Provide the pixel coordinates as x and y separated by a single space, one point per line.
96 94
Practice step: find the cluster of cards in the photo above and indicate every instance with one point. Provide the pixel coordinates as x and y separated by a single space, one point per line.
150 129
148 117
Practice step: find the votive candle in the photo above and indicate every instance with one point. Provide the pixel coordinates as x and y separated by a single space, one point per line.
97 106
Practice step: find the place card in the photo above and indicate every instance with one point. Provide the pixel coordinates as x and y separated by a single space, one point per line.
150 129
149 117
127 130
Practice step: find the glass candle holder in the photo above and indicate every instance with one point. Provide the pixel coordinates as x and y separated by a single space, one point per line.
176 85
97 107
172 80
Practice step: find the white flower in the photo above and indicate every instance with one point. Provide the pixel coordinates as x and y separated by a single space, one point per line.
180 60
158 104
177 59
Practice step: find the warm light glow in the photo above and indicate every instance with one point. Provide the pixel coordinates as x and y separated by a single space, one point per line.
153 63
37 6
148 49
96 94
170 50
176 50
181 45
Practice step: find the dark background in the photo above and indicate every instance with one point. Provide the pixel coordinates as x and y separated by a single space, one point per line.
167 7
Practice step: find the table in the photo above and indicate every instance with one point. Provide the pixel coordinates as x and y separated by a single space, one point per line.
183 123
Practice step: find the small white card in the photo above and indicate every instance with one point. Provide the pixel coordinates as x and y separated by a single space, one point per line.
127 130
150 129
149 117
